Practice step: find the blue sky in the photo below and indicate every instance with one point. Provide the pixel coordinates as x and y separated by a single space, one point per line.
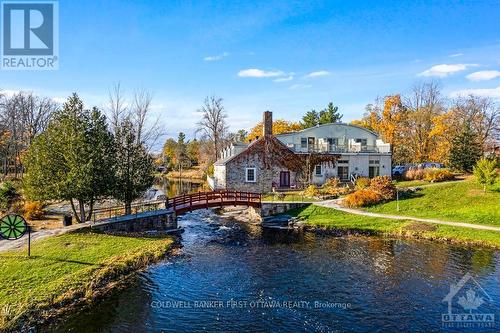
287 57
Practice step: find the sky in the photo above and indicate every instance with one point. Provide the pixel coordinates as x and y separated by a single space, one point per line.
285 56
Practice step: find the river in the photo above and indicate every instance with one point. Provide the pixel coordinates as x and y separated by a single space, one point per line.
236 276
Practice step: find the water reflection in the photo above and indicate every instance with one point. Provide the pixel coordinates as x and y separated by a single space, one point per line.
175 186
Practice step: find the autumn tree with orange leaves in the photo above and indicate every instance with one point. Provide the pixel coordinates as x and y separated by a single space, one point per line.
280 126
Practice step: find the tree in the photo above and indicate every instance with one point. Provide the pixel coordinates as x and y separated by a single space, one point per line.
169 149
193 152
73 159
213 124
486 172
330 115
181 153
134 166
310 119
465 150
279 126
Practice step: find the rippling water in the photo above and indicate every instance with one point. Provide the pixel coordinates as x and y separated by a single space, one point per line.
328 284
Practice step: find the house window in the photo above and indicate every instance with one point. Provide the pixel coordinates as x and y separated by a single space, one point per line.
342 162
373 171
250 175
373 162
317 170
363 142
303 142
343 172
333 141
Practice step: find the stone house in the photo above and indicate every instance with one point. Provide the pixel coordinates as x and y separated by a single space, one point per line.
311 155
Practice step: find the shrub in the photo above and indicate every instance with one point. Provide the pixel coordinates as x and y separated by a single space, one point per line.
311 191
7 195
33 210
383 185
485 172
362 182
437 175
362 198
332 182
414 174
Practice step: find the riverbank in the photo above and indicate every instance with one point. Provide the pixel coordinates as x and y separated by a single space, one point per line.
330 221
69 271
195 173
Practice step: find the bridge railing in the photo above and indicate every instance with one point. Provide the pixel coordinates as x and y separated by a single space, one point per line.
137 207
200 199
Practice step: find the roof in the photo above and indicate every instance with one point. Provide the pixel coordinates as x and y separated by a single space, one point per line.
329 124
224 161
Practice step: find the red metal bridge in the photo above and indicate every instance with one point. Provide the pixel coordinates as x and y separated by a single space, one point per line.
201 200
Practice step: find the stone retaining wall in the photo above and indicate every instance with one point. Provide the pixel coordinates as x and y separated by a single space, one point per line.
273 208
159 220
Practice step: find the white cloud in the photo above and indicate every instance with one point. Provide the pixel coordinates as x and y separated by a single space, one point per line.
455 55
486 92
444 70
254 72
300 86
318 73
284 79
483 75
216 57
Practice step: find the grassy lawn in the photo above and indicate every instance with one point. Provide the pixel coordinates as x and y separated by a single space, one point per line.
462 201
411 183
66 267
330 218
289 196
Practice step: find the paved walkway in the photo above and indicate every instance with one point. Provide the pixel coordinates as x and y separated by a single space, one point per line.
335 205
6 245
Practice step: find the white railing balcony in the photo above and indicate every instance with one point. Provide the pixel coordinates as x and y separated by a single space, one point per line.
351 148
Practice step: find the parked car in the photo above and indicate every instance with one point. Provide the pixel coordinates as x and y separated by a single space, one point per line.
398 170
427 165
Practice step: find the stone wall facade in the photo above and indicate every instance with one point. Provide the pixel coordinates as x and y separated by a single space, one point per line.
159 221
235 172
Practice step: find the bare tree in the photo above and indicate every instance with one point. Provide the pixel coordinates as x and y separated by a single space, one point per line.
23 116
117 105
482 114
147 129
213 123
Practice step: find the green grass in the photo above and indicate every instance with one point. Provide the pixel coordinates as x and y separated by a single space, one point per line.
64 267
289 196
333 219
462 201
411 183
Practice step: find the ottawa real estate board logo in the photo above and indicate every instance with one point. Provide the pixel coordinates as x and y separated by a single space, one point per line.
30 35
469 305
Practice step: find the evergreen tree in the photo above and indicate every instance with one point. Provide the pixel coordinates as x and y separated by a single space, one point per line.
134 166
310 119
465 150
330 115
72 160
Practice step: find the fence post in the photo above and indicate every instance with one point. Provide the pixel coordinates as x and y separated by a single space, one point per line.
190 203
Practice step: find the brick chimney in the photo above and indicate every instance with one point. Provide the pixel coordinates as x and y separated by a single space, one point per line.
267 128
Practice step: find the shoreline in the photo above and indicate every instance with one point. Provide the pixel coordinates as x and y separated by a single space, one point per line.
407 235
101 282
